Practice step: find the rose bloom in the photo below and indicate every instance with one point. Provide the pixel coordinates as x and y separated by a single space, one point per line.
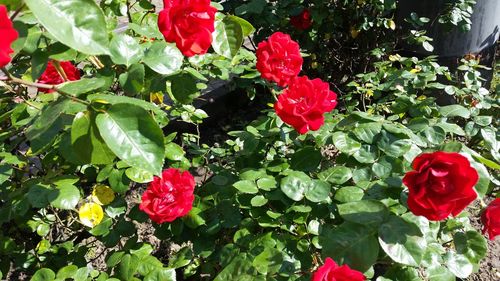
279 59
440 184
7 35
304 102
188 23
331 271
51 77
491 219
168 197
302 21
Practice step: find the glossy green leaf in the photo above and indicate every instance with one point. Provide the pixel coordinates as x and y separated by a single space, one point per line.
458 264
336 175
139 175
228 37
352 244
133 135
344 143
163 58
295 185
318 191
364 212
306 159
67 197
183 87
83 86
87 142
163 274
125 50
471 244
132 81
402 241
79 24
43 274
246 186
454 110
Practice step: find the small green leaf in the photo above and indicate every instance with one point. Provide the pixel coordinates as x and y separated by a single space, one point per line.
344 143
336 175
318 191
454 110
43 274
306 159
246 186
364 212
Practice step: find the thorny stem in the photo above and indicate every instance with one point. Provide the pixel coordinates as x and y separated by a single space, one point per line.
18 81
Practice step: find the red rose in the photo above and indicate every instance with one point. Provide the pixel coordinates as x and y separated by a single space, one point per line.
279 59
7 35
302 21
491 219
51 77
188 23
168 197
441 184
304 102
331 271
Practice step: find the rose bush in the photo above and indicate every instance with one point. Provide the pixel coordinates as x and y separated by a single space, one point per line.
97 180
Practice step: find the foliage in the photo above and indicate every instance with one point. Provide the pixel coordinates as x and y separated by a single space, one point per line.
269 203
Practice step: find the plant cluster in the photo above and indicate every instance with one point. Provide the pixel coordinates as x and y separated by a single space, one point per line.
373 181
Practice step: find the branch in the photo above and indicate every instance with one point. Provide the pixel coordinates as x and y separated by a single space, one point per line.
15 80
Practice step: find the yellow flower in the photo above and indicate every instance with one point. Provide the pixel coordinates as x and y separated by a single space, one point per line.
102 194
90 214
156 98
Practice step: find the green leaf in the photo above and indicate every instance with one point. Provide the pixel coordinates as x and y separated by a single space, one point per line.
228 37
67 272
163 58
318 191
133 135
458 264
246 27
364 212
183 87
139 175
43 274
118 181
163 274
246 186
471 244
306 159
434 135
128 267
439 273
174 152
269 261
344 143
40 195
132 81
295 185
402 241
393 146
102 228
454 110
349 194
193 219
336 175
67 198
258 201
83 86
240 268
350 243
6 171
87 143
125 50
114 99
79 24
367 131
48 123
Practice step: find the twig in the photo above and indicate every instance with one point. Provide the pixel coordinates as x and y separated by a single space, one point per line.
16 80
14 15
